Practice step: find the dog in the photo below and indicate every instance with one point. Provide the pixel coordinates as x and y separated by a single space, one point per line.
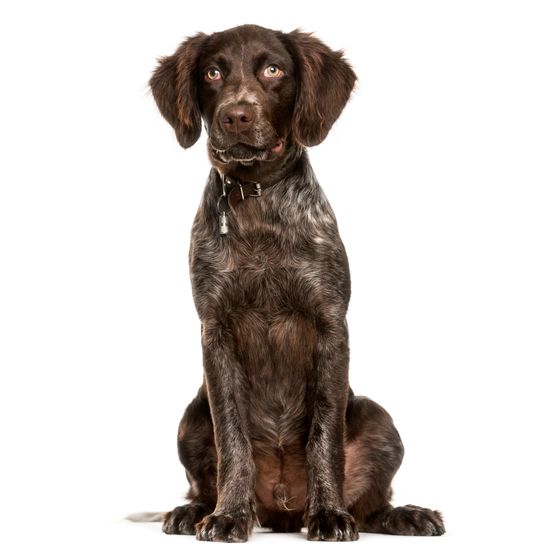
275 434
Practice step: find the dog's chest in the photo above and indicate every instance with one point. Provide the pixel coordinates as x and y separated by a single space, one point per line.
262 270
282 250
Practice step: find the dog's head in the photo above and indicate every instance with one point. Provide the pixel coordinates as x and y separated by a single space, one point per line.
259 92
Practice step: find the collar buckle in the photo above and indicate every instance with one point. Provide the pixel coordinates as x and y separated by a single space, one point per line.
254 186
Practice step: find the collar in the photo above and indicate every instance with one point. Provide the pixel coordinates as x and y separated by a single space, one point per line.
232 193
235 192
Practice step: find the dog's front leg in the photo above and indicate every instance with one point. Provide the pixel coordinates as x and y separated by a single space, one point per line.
326 515
234 513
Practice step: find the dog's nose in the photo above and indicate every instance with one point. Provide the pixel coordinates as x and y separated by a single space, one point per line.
238 118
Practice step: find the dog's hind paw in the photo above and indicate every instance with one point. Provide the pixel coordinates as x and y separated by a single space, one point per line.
406 520
182 520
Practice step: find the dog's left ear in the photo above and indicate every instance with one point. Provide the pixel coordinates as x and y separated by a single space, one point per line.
325 82
174 86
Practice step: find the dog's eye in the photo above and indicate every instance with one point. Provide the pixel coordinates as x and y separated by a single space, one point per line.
213 74
272 71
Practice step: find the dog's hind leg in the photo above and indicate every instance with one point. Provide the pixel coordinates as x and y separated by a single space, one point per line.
374 453
196 449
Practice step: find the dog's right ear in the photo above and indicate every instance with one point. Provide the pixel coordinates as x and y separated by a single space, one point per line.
174 87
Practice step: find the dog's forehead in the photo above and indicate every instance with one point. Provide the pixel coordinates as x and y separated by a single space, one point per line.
247 41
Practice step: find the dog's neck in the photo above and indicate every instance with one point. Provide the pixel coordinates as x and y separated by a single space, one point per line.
234 189
264 173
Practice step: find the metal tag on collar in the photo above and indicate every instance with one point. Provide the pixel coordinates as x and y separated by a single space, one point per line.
223 223
223 208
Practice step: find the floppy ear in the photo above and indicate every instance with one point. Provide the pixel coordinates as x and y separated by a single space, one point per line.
174 87
325 82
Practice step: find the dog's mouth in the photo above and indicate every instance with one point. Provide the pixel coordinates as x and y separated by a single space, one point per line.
246 154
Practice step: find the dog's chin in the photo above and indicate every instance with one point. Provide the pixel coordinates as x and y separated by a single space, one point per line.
246 155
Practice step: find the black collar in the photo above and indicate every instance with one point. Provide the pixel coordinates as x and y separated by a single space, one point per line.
235 192
232 193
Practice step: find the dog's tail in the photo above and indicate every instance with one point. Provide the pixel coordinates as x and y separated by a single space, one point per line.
146 517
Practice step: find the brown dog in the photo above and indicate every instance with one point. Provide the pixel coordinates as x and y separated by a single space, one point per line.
275 433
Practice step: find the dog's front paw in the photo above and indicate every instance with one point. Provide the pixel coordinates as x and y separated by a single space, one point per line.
225 527
182 520
332 525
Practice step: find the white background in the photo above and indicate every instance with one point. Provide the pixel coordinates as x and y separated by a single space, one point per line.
435 171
